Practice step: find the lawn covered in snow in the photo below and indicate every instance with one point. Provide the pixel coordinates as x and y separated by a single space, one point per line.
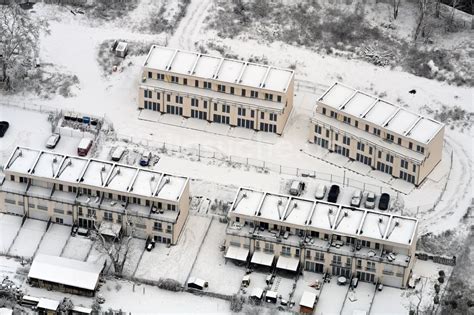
54 240
77 247
9 226
28 239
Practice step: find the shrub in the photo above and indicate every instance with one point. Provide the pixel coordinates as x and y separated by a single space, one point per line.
169 284
441 279
236 303
441 273
436 299
437 288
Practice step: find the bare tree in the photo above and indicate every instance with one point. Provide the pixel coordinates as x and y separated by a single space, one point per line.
423 6
454 6
19 36
395 6
116 243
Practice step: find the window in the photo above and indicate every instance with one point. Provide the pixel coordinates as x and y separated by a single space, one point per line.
356 123
367 128
232 91
244 92
273 117
158 95
324 111
12 177
268 247
389 158
252 113
226 108
319 256
414 168
160 76
336 137
404 164
262 115
327 133
171 207
196 83
59 220
347 120
420 149
380 154
168 97
333 114
241 111
174 79
279 98
390 137
410 146
376 132
108 216
179 99
147 94
360 146
157 226
205 104
286 250
150 75
194 102
399 141
254 94
185 81
317 129
79 211
268 96
215 106
221 88
371 150
207 85
59 211
346 140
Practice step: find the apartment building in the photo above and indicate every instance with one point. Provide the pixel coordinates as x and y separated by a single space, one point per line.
374 132
91 193
215 89
291 233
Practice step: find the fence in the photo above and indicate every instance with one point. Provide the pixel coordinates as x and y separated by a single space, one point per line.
262 165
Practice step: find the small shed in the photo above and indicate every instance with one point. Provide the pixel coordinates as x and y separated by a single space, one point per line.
64 274
47 306
271 297
196 283
307 302
121 49
80 310
257 294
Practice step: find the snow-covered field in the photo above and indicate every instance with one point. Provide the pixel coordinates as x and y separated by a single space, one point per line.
77 247
9 227
28 239
54 240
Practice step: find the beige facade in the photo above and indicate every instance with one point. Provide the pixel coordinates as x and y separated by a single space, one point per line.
215 89
377 133
321 237
87 192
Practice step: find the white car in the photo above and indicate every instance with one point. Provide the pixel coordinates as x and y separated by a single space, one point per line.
370 201
53 140
356 198
118 153
321 191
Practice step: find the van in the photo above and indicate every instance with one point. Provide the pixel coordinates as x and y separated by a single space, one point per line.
118 153
333 193
84 146
296 188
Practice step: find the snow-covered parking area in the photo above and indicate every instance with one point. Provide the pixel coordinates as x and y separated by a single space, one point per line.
175 262
212 266
54 240
28 239
9 226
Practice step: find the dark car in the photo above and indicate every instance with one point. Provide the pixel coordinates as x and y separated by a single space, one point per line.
3 127
333 193
384 201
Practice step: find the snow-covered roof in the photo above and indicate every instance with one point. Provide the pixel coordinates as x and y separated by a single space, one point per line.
324 216
308 299
380 112
48 304
217 68
65 271
96 173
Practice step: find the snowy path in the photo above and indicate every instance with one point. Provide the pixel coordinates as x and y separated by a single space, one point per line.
191 24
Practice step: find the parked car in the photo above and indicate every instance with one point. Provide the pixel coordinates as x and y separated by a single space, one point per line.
333 193
84 146
320 191
118 153
296 188
145 158
370 200
384 201
356 198
3 127
53 140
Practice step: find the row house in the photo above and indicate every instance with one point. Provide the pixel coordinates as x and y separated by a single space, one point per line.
95 194
290 233
215 89
374 132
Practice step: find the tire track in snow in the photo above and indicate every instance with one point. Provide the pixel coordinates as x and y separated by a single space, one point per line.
190 25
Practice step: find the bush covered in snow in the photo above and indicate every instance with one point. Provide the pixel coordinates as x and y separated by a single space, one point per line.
170 285
236 303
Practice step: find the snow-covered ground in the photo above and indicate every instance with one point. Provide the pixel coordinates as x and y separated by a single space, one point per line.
28 239
77 247
332 298
9 227
360 299
54 240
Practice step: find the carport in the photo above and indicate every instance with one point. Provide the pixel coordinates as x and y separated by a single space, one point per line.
288 263
237 253
262 258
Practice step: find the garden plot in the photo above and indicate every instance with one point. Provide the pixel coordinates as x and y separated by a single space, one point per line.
98 256
391 299
282 285
9 226
28 239
54 240
176 261
331 298
77 247
212 267
359 299
137 246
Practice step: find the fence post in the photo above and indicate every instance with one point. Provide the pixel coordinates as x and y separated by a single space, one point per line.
297 171
247 161
280 168
263 164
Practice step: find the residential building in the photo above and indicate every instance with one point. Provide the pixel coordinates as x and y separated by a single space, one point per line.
373 131
90 193
320 236
215 89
